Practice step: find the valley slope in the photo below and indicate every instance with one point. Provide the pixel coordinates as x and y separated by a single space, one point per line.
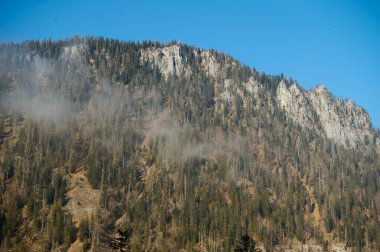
182 148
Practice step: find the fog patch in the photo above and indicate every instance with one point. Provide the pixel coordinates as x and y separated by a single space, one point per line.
49 107
178 143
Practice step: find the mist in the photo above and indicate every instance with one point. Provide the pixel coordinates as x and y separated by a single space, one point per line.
109 110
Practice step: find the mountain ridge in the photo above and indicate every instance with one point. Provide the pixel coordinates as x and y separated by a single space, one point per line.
357 129
186 149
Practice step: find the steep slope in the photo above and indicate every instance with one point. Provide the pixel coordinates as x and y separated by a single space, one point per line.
182 148
344 122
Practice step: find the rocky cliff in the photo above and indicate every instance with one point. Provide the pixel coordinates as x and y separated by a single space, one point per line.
342 121
186 149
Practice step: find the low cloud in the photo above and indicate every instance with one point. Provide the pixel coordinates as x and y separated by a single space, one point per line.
49 107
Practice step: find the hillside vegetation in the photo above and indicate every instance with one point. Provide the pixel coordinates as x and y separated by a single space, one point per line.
180 148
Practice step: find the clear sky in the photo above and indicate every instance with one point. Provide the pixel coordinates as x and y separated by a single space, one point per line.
332 42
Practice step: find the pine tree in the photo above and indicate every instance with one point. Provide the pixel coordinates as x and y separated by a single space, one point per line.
246 244
121 241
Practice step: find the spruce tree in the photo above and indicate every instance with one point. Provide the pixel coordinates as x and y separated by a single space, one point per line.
121 241
246 244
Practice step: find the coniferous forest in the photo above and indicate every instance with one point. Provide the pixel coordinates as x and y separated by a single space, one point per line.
102 151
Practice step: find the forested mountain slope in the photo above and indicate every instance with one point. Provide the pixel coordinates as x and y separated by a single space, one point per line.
180 149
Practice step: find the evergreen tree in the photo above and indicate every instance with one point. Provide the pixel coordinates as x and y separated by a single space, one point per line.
121 240
246 244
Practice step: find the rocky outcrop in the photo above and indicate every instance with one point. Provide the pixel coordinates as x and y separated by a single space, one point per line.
344 122
73 52
317 109
253 87
295 102
210 65
168 60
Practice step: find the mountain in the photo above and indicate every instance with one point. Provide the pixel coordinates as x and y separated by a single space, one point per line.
343 122
167 147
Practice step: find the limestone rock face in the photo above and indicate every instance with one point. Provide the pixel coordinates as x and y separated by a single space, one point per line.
296 104
210 64
168 60
253 87
73 52
317 109
344 122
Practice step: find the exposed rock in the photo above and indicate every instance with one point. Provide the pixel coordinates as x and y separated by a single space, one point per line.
344 122
83 200
168 60
253 86
210 64
338 247
72 52
227 90
295 102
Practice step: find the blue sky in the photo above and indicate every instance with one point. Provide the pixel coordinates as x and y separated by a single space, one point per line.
332 42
